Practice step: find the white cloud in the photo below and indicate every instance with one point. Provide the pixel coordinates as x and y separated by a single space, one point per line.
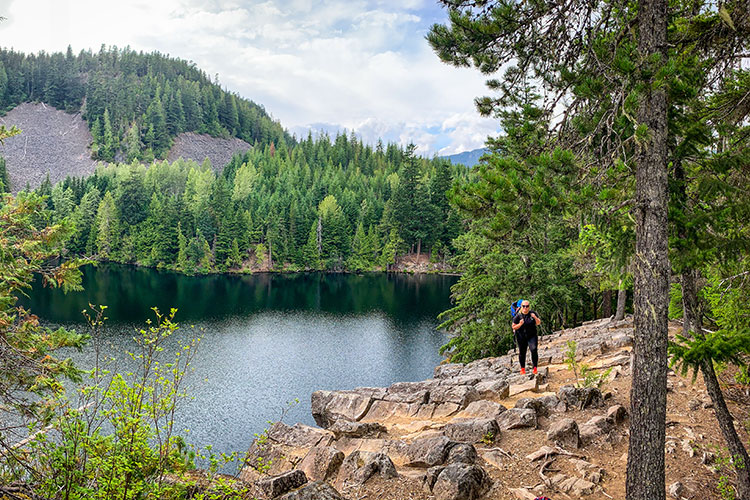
359 64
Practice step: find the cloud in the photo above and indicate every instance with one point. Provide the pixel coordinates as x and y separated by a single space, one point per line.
360 64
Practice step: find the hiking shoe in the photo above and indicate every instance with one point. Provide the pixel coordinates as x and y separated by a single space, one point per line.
523 371
535 370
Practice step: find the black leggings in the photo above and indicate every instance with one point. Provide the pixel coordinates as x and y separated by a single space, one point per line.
531 343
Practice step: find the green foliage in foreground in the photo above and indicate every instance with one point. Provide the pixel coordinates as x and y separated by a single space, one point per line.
30 376
116 437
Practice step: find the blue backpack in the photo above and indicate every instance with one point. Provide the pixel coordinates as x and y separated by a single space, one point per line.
514 307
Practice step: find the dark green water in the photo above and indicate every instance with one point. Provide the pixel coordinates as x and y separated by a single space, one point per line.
267 338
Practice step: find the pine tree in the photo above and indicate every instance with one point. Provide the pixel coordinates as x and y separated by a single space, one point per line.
156 121
133 143
182 263
4 178
109 144
234 260
107 226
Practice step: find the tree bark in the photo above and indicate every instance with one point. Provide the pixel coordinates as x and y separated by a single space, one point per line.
739 457
622 297
648 395
692 326
607 304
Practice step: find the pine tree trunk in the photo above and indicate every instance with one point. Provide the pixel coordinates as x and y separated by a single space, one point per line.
622 297
419 249
607 304
692 325
648 395
726 423
690 316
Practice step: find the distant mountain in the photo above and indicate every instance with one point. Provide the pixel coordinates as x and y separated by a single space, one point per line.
468 158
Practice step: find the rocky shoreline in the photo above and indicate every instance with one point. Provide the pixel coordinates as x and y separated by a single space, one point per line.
438 438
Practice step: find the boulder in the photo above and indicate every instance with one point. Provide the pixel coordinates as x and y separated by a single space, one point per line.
552 403
321 463
564 433
535 404
461 482
482 409
594 428
360 466
574 486
587 470
676 490
428 452
431 477
313 491
409 392
472 430
579 398
299 435
460 395
278 485
342 428
523 385
462 453
383 410
493 389
442 410
617 413
516 418
330 406
448 370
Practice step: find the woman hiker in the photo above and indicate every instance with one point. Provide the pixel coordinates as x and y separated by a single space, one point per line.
524 327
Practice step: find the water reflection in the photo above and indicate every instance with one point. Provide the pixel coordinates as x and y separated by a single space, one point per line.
267 339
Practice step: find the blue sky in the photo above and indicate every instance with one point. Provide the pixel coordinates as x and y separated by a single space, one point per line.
360 65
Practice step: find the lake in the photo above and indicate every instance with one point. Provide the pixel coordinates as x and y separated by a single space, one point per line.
266 339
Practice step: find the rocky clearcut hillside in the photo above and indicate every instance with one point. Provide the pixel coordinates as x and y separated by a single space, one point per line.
482 431
52 142
56 143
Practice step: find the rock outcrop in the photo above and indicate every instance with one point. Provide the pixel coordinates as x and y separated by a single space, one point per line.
440 432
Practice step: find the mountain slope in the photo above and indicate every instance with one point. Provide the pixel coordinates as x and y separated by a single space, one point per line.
134 104
55 143
52 142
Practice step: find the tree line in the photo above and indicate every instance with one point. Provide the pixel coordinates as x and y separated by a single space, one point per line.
316 205
134 103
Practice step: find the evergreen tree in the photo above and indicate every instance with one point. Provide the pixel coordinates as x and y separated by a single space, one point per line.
109 144
107 226
133 143
158 135
4 178
84 220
